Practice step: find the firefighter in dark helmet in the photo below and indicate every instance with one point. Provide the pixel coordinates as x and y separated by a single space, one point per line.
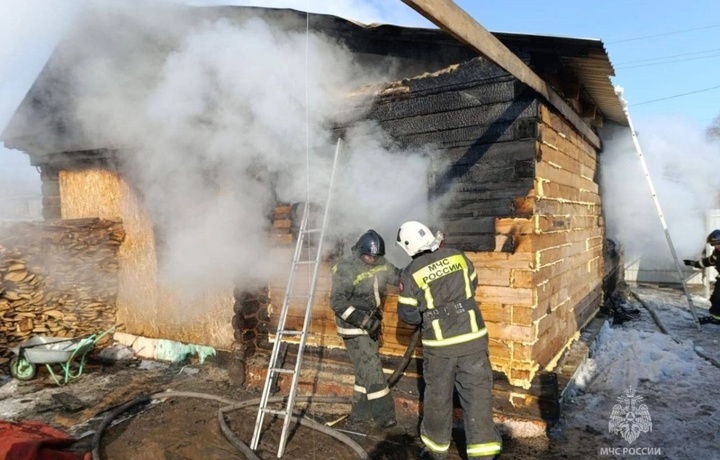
713 260
359 285
437 290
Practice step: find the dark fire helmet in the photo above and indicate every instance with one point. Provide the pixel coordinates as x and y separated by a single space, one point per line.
370 243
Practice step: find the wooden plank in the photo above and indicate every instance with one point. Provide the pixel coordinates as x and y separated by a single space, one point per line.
549 206
468 117
557 267
561 331
492 190
559 294
519 333
496 313
478 208
547 189
522 278
525 315
513 225
558 175
561 223
564 130
504 295
499 349
449 17
458 193
471 242
494 277
498 133
550 255
584 153
472 153
501 260
469 225
566 160
588 237
445 100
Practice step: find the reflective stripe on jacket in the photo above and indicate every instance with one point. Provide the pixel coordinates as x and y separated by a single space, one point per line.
358 291
437 290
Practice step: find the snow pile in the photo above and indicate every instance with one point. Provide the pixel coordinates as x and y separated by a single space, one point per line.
677 386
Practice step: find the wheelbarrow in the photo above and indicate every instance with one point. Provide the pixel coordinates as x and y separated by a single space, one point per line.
53 350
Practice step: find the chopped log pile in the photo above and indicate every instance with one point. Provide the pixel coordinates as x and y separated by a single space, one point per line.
57 278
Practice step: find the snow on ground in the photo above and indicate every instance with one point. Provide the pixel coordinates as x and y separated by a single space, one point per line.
679 388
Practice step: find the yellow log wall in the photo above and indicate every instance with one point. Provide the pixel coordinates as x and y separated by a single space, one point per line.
144 307
536 300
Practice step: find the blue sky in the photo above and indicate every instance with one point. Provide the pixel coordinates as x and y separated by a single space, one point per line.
641 36
686 33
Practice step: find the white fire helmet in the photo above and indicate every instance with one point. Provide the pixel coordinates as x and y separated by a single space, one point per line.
415 237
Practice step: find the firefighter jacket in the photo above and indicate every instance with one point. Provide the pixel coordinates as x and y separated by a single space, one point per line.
437 290
358 292
713 260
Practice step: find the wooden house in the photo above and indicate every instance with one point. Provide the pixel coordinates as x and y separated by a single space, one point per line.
518 182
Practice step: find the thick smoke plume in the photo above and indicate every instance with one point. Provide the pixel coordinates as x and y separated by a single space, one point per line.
218 120
680 163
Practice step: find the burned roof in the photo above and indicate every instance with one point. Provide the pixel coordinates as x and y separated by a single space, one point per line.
44 122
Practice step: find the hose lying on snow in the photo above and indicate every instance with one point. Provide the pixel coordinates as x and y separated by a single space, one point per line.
234 405
664 330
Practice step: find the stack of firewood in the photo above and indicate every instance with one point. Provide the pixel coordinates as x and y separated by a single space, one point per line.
57 279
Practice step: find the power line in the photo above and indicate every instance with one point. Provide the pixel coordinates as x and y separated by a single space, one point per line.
667 57
664 34
675 96
666 62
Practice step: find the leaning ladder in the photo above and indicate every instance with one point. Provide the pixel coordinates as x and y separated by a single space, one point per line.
275 365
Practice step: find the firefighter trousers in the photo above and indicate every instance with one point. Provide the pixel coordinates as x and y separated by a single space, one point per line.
372 401
471 375
715 300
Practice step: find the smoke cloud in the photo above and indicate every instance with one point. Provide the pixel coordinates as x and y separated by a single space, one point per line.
225 119
680 163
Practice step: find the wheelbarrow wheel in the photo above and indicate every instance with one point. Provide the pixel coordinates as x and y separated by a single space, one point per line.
22 369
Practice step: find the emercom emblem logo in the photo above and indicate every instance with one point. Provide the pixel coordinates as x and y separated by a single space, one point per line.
631 417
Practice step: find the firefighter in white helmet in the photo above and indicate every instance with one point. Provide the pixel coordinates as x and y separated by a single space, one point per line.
359 285
437 291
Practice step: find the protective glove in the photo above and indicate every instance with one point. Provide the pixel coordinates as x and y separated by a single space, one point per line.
689 263
372 325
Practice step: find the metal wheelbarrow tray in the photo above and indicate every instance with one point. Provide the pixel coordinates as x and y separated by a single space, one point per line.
53 350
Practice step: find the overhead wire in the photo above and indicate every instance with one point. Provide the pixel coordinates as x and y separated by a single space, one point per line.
647 64
664 34
675 96
636 61
668 60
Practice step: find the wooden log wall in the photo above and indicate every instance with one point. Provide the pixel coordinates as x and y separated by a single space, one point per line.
570 236
515 188
57 279
555 285
146 307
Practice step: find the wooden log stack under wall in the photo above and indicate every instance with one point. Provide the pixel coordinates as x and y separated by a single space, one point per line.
57 279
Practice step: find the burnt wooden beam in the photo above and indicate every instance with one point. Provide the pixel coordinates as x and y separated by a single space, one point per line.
451 18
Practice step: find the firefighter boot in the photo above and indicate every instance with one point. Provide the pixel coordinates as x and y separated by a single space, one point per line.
427 454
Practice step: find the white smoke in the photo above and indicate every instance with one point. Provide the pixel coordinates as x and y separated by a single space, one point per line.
232 119
680 163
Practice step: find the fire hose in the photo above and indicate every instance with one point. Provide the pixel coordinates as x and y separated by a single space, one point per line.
235 405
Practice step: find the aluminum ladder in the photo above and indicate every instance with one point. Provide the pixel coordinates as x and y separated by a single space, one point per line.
275 368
